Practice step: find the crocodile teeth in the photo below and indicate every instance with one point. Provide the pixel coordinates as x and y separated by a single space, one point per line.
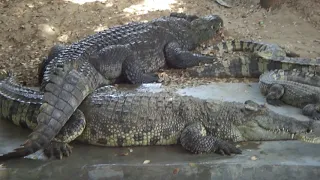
292 136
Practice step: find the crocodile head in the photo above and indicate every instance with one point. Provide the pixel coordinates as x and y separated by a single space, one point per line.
250 121
206 27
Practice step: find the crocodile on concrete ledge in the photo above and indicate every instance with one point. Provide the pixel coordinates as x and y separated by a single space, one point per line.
263 57
282 86
134 51
115 117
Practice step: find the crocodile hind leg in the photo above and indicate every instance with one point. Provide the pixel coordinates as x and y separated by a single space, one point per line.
54 51
59 146
178 58
275 92
133 72
122 60
194 139
312 110
109 60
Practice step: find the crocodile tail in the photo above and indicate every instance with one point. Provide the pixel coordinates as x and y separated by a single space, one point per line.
304 64
19 104
19 152
66 89
241 45
16 97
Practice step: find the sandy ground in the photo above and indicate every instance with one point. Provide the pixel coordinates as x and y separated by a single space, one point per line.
29 28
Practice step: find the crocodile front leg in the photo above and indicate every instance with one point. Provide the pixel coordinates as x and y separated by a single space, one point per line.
179 58
59 146
194 139
274 94
312 110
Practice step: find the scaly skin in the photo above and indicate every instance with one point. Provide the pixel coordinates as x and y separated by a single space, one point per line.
133 51
310 138
264 57
279 86
116 117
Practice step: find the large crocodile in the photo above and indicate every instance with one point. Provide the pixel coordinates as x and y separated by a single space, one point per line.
286 86
115 117
135 50
264 57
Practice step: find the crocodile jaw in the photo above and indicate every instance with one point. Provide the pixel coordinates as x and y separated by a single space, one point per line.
254 132
272 126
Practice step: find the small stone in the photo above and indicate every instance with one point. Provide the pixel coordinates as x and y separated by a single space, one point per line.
192 165
146 162
64 38
176 170
253 158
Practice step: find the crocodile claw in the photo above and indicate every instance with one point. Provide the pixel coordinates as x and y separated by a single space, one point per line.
316 116
225 148
58 150
150 78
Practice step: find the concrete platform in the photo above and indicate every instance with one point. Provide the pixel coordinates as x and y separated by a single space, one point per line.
260 160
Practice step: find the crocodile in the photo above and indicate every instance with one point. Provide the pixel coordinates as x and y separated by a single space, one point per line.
281 86
263 57
116 117
133 51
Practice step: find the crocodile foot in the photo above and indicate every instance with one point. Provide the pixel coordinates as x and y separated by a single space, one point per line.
58 150
195 140
274 102
226 148
150 78
316 116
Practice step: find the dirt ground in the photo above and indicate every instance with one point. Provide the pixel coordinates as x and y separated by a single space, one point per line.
29 28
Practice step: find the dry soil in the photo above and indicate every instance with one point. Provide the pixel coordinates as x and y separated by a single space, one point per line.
29 28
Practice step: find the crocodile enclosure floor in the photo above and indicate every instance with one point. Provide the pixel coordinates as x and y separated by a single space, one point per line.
29 28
